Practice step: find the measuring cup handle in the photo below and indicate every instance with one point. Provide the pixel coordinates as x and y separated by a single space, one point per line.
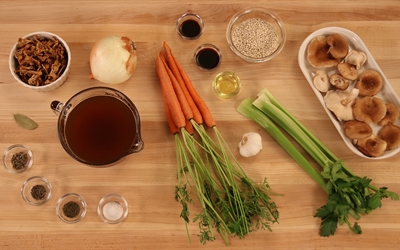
56 106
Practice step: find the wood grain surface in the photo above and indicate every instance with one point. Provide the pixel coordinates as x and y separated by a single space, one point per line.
147 179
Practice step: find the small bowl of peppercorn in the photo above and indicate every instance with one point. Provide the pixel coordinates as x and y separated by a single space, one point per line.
36 190
40 61
256 35
71 208
17 159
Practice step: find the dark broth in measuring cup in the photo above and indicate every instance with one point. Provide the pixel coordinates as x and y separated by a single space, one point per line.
99 126
100 129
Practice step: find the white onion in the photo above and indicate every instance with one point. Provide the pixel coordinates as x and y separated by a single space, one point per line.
113 59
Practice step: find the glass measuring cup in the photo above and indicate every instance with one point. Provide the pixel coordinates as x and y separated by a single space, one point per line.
98 126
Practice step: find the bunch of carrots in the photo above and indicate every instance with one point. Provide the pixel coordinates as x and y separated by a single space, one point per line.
231 203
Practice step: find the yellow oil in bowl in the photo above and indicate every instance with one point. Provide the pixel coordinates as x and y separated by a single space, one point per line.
226 85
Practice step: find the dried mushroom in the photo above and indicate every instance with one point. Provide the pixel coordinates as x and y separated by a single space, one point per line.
347 70
341 102
338 46
371 146
40 60
318 53
391 135
356 130
369 109
339 81
321 81
369 83
356 58
392 113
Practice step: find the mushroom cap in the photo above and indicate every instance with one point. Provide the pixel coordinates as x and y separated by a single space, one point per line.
356 58
392 113
340 103
369 109
369 83
339 81
371 146
321 81
338 46
347 70
356 130
318 53
391 135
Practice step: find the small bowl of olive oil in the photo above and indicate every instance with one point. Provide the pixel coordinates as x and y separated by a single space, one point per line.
226 85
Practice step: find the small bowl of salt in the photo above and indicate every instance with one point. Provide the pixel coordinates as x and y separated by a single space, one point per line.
112 208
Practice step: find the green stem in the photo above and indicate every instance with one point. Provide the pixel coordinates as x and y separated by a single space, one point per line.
247 109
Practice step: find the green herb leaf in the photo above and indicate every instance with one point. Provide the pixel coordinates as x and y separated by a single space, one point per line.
25 121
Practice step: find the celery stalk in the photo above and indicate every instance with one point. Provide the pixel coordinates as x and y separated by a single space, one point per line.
348 194
248 110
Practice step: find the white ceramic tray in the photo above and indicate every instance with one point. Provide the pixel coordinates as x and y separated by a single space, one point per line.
387 93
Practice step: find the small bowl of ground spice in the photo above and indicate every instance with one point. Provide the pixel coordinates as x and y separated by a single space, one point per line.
112 208
71 208
17 159
40 61
256 35
36 190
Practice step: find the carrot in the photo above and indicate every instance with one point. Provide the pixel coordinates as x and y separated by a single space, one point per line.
187 111
189 127
171 124
202 106
170 96
174 69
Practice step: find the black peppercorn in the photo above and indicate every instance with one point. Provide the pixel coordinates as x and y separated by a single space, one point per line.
71 209
38 192
19 160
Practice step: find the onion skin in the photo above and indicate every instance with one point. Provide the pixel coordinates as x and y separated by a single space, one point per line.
113 59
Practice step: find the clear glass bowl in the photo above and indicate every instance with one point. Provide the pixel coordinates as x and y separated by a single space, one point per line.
243 34
14 156
226 85
190 26
112 208
207 57
71 208
36 190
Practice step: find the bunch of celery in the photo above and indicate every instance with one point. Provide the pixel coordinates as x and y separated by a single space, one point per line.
347 192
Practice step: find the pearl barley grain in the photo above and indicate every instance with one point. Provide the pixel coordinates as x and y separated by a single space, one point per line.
113 211
255 37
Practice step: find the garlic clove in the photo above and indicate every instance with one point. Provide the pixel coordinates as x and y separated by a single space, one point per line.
250 145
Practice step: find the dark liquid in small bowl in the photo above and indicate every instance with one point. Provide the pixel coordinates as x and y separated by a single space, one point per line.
190 28
208 58
100 130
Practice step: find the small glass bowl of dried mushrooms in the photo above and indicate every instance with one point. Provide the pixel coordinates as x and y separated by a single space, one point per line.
40 61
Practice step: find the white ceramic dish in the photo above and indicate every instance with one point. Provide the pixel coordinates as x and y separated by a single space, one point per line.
57 83
387 93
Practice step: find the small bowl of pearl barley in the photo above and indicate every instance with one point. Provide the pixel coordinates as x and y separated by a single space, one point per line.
256 34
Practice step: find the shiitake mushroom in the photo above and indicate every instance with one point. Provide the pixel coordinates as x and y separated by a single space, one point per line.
369 109
356 130
391 135
369 83
392 113
338 46
318 53
371 146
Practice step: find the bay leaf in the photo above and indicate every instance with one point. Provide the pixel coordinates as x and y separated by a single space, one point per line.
25 121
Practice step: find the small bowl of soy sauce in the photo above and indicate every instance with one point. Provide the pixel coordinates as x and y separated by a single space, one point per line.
207 57
190 26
